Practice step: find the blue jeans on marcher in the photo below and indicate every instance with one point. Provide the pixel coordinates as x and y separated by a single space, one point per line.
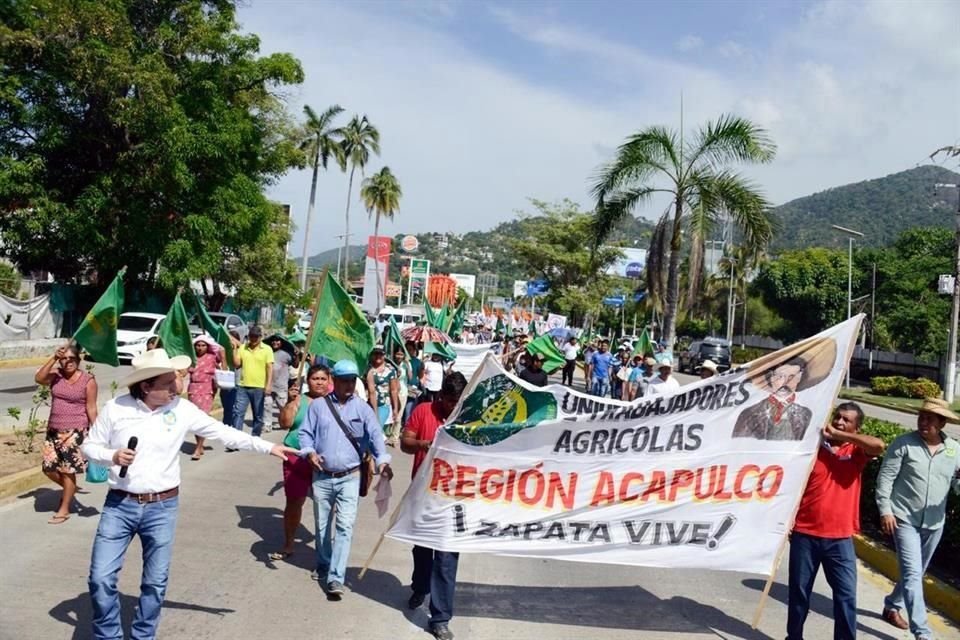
839 561
122 518
435 572
227 398
915 547
600 387
248 396
345 494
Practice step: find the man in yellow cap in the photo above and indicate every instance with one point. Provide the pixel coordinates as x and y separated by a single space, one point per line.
915 477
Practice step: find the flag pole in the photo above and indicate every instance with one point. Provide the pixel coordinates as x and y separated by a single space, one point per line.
313 319
786 536
390 523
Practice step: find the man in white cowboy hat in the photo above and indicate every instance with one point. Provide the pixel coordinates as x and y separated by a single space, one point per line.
138 436
663 382
917 472
708 369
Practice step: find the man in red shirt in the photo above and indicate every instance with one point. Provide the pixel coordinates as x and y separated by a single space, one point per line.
434 572
828 516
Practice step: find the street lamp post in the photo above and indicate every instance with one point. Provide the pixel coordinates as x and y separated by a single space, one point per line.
948 391
851 234
731 303
340 251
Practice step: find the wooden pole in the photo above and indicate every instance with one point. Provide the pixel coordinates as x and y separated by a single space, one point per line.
390 523
313 320
783 543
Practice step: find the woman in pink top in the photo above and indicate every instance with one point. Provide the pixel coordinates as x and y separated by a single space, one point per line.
73 408
203 380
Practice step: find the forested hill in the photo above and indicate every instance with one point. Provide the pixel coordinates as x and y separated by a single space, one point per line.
879 208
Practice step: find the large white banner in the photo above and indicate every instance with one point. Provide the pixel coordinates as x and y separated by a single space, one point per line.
378 259
708 477
469 357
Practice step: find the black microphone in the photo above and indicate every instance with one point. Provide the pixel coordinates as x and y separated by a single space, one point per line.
131 444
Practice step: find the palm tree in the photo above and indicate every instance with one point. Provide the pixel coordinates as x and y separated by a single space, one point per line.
702 190
360 138
381 195
321 141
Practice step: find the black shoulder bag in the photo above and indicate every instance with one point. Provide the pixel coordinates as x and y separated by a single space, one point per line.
367 464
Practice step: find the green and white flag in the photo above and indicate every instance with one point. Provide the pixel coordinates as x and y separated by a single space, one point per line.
97 333
340 331
174 332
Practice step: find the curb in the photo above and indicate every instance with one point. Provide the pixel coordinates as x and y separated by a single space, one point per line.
23 362
937 594
21 482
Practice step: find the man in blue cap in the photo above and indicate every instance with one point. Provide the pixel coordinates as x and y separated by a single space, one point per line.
329 438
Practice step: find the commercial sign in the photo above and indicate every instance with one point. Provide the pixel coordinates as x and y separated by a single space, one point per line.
467 282
615 301
537 287
519 288
419 272
706 477
409 243
375 269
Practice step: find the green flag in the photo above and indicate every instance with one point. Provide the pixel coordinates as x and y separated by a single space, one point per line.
643 346
217 331
98 331
297 336
455 326
440 348
532 328
499 328
394 340
552 357
222 338
429 314
339 329
174 332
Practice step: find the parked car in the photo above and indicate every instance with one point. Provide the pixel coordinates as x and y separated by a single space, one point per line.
231 321
133 331
304 322
715 349
404 318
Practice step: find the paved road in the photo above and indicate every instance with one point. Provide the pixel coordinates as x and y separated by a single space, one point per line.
223 586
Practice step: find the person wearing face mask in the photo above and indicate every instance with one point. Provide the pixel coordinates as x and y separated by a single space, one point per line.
73 408
138 437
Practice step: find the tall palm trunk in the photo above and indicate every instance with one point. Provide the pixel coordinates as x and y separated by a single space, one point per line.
346 233
376 243
672 302
306 228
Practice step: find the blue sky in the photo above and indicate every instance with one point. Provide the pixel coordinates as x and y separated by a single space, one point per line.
484 104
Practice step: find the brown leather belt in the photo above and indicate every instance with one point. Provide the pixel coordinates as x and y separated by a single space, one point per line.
340 474
144 498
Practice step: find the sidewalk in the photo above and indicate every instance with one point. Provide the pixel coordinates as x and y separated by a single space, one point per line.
223 586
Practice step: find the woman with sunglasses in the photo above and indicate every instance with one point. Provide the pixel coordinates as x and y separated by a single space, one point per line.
73 408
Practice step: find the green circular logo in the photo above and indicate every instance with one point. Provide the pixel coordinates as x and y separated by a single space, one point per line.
499 408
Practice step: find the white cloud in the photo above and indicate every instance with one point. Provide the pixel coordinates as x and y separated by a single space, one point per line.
688 43
731 49
850 91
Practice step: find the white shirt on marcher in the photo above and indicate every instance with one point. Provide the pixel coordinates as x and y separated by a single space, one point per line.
159 433
661 386
570 351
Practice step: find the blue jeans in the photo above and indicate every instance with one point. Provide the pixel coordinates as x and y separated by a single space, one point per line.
435 572
227 398
345 494
839 561
915 547
248 396
122 518
600 387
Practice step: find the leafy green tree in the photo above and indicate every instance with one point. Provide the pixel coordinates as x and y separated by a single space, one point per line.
137 133
808 287
9 280
360 139
320 142
702 191
552 246
381 195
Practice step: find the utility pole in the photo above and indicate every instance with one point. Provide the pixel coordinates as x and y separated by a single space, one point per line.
730 301
948 391
850 235
873 317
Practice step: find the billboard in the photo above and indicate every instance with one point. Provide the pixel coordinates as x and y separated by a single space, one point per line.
630 265
467 282
419 273
519 288
378 257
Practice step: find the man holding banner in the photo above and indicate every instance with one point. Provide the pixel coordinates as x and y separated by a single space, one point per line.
434 572
828 516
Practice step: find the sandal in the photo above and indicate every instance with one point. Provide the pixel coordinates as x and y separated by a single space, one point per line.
196 456
280 555
58 519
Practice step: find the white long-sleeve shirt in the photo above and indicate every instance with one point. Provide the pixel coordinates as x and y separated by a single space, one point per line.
159 433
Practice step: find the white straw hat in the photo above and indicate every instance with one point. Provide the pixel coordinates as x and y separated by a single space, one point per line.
154 363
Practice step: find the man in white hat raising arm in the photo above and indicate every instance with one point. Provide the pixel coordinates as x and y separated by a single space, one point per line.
138 436
915 477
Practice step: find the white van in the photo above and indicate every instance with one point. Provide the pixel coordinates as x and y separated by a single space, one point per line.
405 317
